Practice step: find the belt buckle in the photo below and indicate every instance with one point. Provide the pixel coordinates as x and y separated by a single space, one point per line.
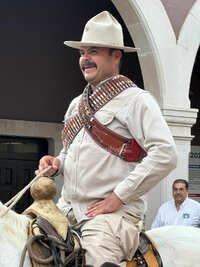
122 150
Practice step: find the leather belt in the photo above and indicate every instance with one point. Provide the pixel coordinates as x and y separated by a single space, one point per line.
125 148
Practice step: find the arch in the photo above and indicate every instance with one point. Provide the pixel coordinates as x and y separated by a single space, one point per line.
140 18
165 62
190 45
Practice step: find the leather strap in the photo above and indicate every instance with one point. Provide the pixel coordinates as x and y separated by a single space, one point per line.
47 249
104 92
127 149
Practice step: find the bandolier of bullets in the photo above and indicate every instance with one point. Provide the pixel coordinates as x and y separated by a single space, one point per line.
89 104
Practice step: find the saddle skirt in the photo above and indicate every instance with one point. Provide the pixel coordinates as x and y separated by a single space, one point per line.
146 255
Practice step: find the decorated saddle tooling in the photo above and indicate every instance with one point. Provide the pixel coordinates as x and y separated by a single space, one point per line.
127 149
47 249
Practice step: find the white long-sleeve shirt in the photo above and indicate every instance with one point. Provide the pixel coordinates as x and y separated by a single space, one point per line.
91 173
188 214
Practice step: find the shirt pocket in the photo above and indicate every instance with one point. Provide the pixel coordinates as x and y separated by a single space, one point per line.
110 120
105 118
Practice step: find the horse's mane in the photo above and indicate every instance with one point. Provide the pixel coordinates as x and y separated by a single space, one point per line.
13 226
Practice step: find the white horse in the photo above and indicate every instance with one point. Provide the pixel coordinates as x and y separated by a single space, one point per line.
13 236
179 246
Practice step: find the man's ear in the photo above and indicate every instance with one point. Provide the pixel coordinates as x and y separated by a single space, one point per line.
117 54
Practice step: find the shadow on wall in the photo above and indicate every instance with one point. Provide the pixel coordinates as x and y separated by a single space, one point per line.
195 98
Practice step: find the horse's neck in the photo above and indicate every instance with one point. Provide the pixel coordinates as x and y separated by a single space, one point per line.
10 254
13 226
13 235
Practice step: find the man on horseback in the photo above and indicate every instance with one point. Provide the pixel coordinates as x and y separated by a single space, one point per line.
116 147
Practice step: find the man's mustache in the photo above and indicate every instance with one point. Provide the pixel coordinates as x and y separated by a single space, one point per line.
88 64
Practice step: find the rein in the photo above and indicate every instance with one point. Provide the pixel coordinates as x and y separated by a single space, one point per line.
12 202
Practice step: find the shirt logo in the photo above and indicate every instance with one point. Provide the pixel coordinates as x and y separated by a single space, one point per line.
186 215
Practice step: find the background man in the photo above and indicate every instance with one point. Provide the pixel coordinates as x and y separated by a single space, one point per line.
116 147
180 210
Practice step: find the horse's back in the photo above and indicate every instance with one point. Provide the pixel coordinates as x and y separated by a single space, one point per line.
178 245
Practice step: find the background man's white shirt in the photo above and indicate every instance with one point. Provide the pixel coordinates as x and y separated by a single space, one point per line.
189 214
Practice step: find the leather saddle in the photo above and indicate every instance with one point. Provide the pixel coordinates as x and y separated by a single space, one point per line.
146 255
47 249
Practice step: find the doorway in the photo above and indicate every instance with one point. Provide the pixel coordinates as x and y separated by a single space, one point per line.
19 159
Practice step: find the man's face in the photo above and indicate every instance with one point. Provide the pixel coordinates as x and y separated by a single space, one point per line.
180 193
97 64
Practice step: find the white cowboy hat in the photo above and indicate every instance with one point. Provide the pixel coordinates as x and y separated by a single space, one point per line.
103 30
